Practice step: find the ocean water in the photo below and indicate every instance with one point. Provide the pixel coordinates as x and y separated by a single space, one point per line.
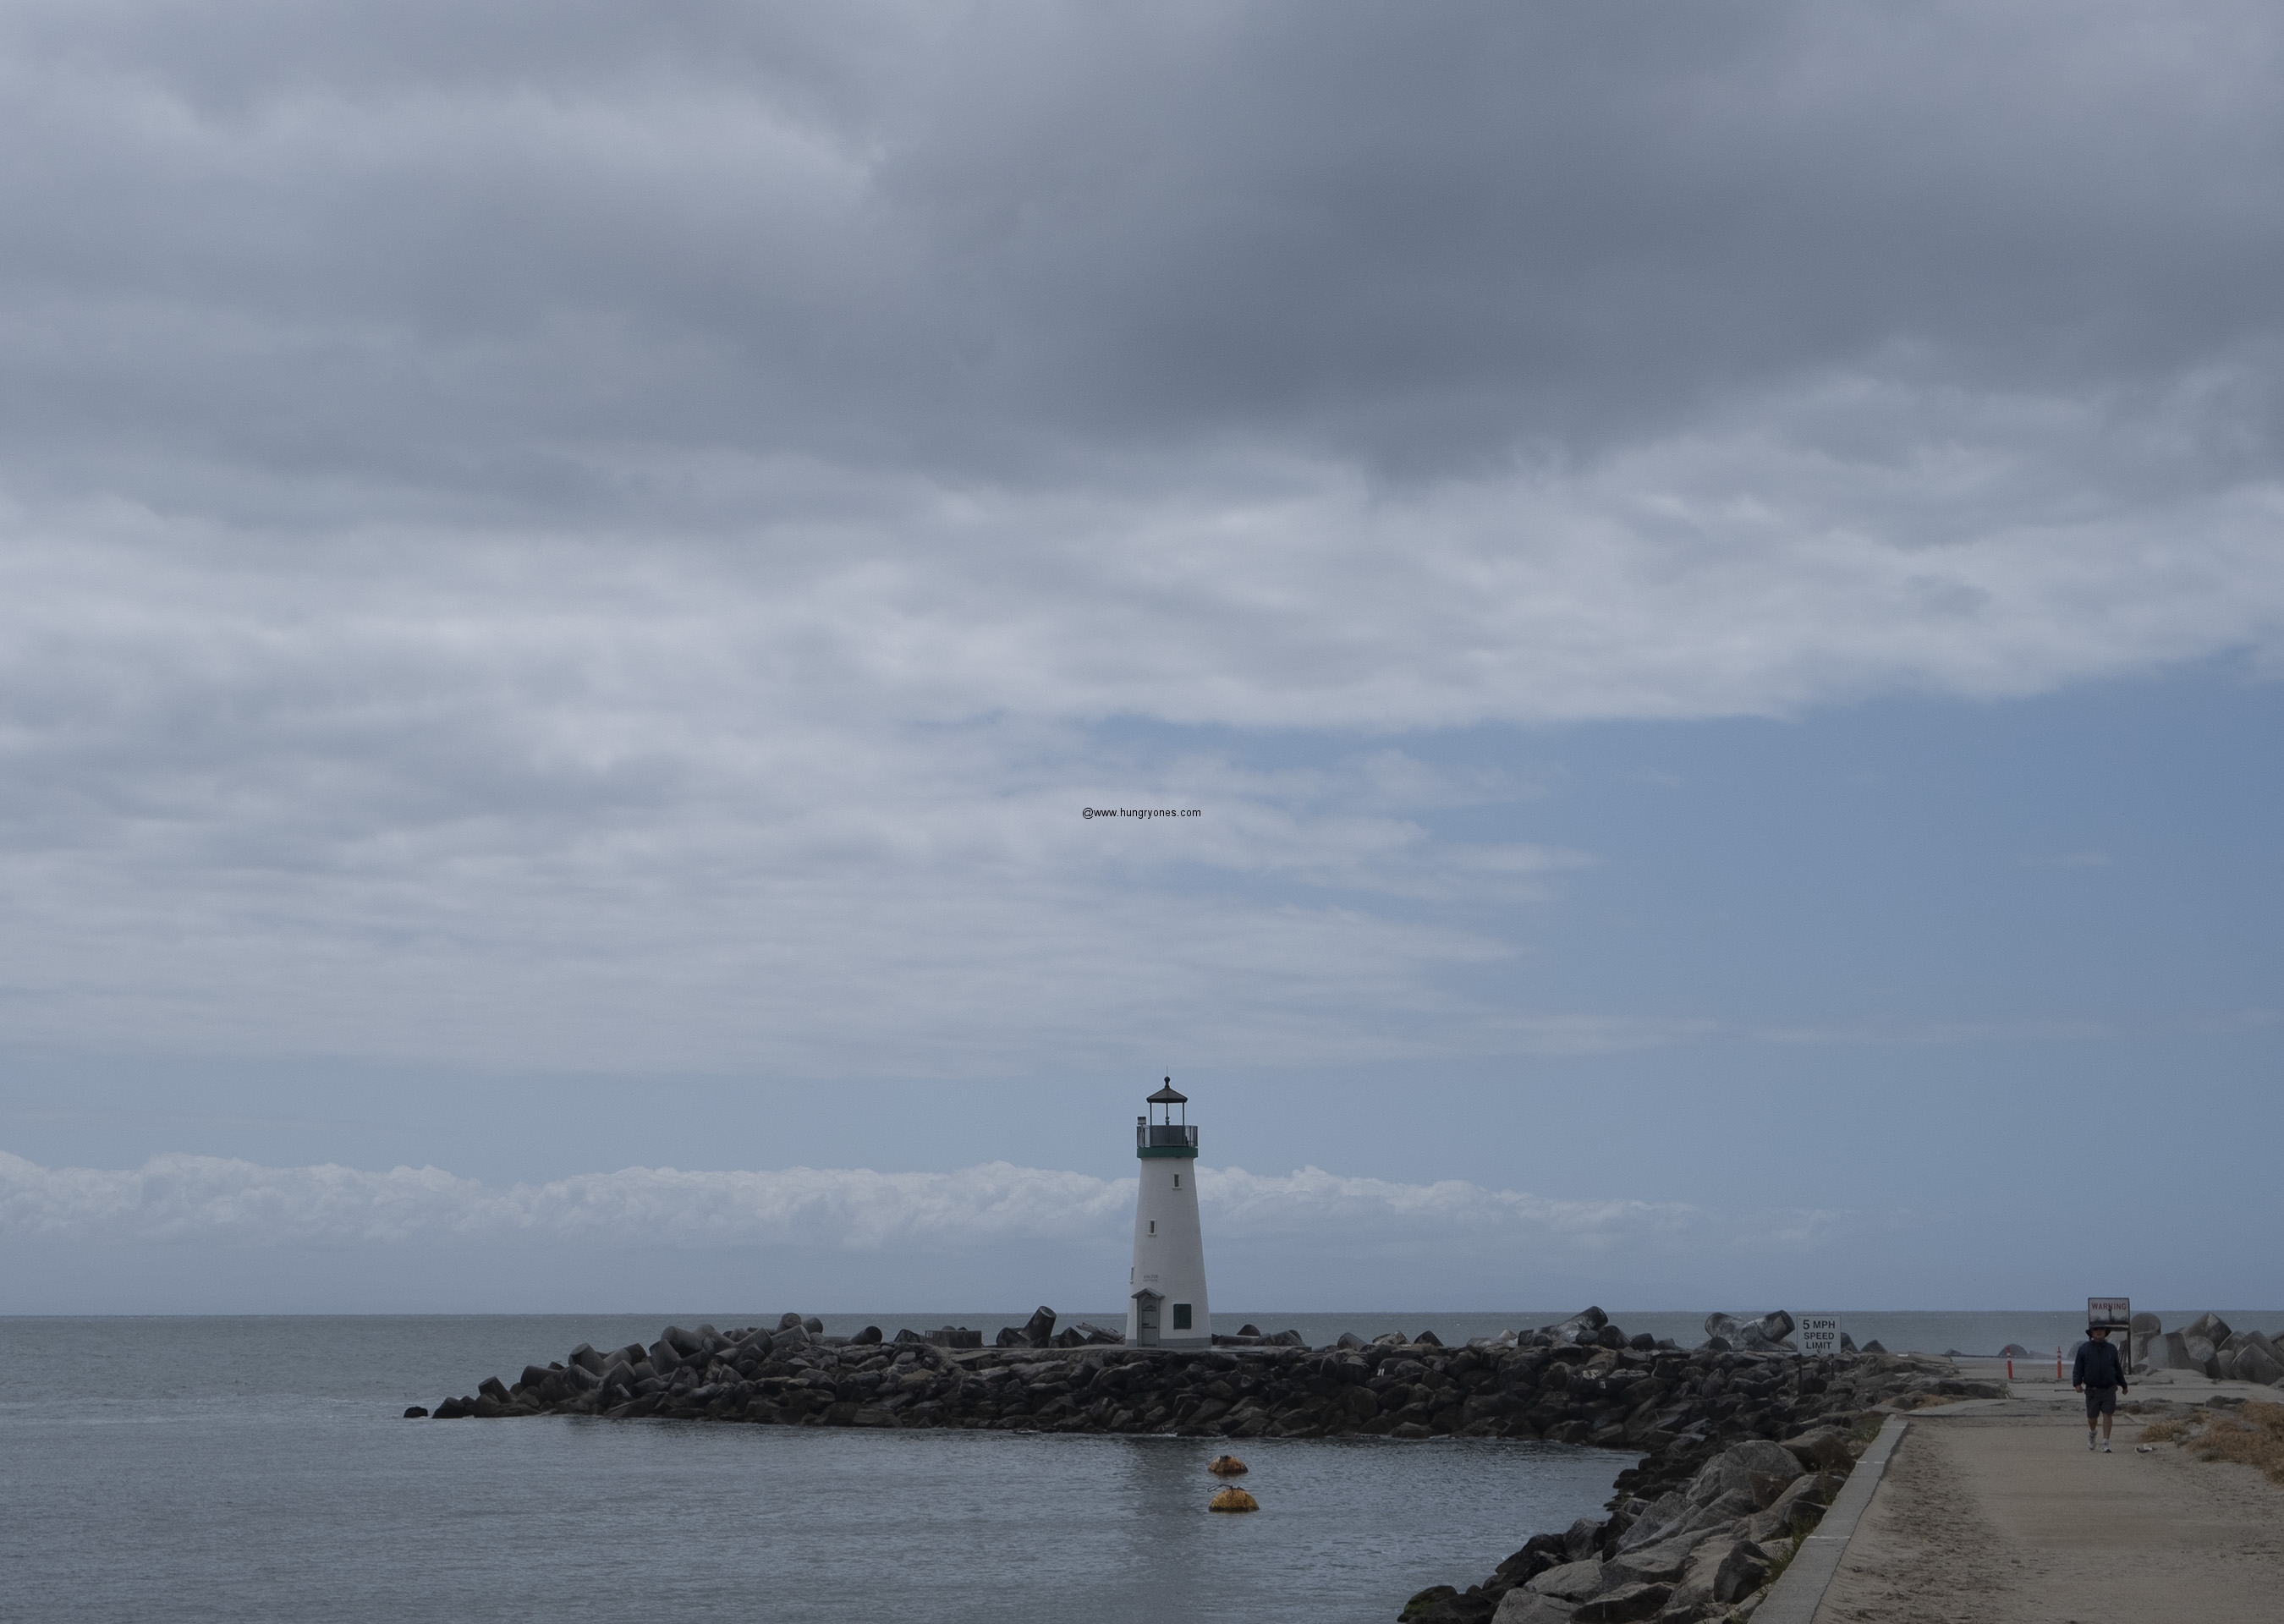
257 1469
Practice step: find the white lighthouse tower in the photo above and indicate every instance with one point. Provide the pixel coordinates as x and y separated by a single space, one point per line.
1167 1307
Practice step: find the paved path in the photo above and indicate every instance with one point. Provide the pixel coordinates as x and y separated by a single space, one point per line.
1995 1512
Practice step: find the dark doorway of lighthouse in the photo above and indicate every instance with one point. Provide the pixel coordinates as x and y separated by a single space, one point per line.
1146 1317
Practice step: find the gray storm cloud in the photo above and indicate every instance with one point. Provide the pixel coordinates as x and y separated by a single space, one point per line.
501 254
587 535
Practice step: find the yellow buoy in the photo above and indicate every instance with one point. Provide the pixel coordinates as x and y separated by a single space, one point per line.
1232 1500
1227 1466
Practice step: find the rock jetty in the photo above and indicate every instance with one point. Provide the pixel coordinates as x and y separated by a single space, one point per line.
1740 1447
2205 1345
1749 1450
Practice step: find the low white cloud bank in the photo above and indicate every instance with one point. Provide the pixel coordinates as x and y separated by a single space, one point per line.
216 1201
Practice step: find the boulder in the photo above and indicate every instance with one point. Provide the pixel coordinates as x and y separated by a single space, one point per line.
1349 1339
1752 1332
1628 1602
2202 1355
1744 1569
1756 1468
2247 1361
1527 1606
1583 1539
2211 1327
813 1325
1573 1582
493 1388
1663 1563
790 1321
2140 1330
585 1358
1578 1328
1721 1513
908 1335
1827 1449
1662 1516
1874 1347
2169 1350
1428 1339
682 1342
1796 1511
1423 1604
1039 1329
870 1337
417 1412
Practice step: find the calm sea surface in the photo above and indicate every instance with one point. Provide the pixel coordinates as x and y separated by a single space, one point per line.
256 1469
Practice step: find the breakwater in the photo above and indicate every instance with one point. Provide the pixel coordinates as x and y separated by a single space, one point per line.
1704 1421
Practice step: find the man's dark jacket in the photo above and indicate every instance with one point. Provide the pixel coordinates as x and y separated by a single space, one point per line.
2099 1365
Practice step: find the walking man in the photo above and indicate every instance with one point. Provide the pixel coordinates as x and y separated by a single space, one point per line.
2100 1375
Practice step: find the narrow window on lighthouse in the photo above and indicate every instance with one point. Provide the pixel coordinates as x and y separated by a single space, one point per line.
1177 1180
1154 1226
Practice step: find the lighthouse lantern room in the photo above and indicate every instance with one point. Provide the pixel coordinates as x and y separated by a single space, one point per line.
1166 1306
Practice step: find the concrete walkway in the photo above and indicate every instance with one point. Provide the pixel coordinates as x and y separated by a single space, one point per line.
1994 1511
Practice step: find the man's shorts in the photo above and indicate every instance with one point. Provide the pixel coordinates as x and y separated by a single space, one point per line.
2100 1401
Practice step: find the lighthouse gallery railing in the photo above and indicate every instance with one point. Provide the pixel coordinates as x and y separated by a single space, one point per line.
1158 1134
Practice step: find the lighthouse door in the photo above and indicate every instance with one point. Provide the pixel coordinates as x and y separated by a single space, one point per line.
1146 1319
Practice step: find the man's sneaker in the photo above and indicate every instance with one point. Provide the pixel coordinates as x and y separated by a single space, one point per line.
2105 1445
2091 1440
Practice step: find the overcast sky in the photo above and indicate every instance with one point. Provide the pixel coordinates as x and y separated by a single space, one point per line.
1715 574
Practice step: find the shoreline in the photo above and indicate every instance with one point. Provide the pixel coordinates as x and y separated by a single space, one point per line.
1739 1450
1746 1419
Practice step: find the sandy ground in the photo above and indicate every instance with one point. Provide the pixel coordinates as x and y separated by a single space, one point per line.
1992 1519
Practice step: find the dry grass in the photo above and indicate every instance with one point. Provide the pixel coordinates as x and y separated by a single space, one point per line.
2252 1436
